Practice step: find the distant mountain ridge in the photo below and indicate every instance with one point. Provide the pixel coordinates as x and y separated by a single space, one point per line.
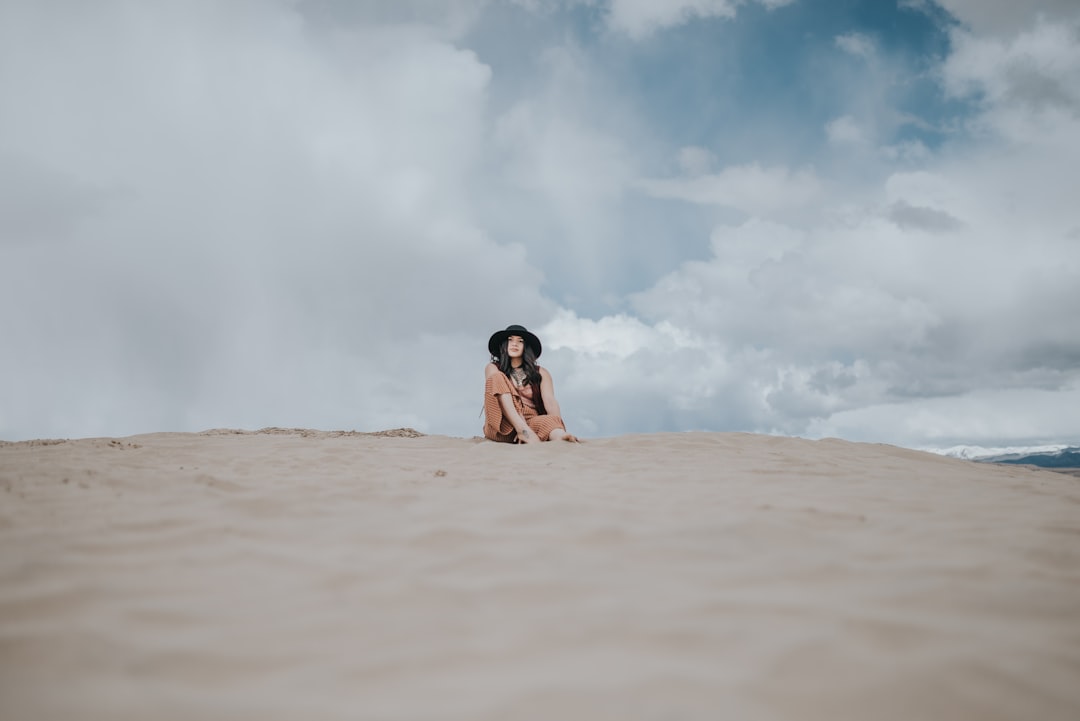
1041 456
1065 458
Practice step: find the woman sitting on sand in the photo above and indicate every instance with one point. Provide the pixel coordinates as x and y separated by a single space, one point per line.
519 398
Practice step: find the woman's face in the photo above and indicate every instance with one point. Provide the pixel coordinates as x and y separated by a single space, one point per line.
515 346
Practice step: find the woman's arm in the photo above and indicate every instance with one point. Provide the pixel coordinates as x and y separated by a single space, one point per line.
524 433
547 392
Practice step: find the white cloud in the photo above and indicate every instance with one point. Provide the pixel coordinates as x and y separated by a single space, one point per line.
771 285
561 171
859 328
1030 82
445 19
753 189
259 222
1022 415
640 18
695 160
890 315
856 44
1005 17
845 130
911 151
619 336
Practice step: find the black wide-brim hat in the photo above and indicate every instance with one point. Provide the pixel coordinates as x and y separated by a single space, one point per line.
500 335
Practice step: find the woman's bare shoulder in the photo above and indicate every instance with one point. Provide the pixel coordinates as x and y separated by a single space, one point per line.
543 372
491 369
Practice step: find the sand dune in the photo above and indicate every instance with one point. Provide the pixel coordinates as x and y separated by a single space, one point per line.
289 574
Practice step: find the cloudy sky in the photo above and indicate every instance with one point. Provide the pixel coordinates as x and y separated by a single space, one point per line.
850 218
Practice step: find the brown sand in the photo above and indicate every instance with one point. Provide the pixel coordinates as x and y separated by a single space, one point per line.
313 575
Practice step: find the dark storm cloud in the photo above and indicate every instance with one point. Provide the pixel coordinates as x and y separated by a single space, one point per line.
929 219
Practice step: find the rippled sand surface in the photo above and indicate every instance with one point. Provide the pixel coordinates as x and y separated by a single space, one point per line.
288 574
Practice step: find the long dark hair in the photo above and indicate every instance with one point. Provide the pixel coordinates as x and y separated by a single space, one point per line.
528 362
